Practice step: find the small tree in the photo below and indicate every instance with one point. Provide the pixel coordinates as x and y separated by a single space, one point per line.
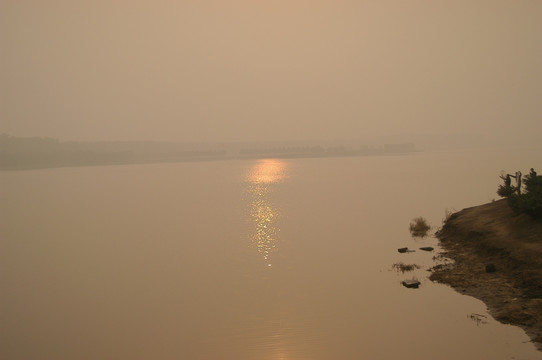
507 189
530 201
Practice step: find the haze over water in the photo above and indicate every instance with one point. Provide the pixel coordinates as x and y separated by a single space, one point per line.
242 70
244 259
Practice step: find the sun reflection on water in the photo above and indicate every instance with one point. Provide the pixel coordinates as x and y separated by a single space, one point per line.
264 215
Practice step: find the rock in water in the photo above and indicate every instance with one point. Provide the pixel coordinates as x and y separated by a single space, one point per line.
414 284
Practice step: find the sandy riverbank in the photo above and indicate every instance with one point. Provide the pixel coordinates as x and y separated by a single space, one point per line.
491 234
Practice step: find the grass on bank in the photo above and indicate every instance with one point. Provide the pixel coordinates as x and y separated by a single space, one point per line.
402 267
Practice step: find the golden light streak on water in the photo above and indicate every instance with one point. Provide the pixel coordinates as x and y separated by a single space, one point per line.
261 177
267 171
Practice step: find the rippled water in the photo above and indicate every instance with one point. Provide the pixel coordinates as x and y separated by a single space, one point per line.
259 259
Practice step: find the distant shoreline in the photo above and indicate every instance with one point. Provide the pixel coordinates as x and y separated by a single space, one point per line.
490 237
41 153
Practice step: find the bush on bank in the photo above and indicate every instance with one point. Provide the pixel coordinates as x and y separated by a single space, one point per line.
527 201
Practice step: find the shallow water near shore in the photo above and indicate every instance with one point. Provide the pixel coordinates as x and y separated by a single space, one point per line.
260 259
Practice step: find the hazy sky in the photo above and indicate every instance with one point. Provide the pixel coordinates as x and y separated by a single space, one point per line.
269 70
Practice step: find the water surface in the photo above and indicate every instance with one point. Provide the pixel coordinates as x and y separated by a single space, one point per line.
261 259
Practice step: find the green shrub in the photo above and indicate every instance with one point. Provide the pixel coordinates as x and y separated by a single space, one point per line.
506 190
527 202
419 227
530 201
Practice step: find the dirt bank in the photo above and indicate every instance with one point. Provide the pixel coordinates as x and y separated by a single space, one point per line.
491 234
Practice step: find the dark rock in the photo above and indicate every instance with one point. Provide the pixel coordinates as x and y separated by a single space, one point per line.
490 268
427 248
413 284
402 250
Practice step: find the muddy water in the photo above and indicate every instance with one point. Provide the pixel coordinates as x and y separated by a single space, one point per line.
258 259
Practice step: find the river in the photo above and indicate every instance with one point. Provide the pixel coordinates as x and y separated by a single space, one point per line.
265 259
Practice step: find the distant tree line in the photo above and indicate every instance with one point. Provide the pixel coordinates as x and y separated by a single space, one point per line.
525 196
283 150
320 151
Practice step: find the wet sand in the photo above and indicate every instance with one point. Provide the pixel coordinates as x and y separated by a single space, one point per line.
491 234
